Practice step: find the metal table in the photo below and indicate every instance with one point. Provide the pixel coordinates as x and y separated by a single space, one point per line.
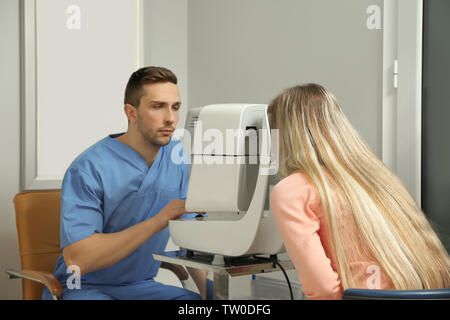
233 267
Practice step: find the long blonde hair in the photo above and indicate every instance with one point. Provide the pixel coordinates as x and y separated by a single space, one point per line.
316 138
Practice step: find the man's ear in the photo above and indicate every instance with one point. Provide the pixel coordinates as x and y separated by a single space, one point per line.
130 112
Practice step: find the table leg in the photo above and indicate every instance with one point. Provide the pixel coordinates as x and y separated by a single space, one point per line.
221 287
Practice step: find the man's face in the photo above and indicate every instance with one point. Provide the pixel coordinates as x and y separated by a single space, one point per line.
157 114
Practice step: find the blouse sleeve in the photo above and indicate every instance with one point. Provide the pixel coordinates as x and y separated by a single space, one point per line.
292 205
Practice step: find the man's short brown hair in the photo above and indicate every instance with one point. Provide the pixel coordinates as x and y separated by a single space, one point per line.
134 90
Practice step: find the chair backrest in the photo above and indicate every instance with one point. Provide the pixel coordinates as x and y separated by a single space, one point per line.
37 220
363 294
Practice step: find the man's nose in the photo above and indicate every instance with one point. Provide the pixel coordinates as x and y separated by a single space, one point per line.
169 116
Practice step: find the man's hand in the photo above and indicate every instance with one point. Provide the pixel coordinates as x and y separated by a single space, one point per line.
102 250
173 210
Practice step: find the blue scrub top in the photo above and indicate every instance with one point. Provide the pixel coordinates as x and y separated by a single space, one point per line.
109 188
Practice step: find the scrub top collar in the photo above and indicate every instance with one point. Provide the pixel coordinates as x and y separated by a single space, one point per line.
136 158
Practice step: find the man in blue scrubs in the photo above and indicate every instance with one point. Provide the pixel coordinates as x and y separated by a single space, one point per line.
118 196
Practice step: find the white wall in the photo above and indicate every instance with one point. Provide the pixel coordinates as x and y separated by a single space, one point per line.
75 74
165 42
9 144
81 76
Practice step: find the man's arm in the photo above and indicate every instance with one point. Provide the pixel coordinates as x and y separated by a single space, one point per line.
102 250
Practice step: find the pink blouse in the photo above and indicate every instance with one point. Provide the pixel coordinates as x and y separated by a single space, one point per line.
297 209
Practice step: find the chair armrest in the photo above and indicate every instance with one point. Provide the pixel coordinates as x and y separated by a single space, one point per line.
367 294
179 271
46 278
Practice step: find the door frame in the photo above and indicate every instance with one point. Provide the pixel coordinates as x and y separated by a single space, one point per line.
402 105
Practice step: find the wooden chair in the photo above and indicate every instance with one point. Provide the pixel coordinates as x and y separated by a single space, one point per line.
37 220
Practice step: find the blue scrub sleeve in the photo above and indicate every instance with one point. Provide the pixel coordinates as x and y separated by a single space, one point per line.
185 172
81 207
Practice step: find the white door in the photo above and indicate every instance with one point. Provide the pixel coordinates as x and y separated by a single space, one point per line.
77 58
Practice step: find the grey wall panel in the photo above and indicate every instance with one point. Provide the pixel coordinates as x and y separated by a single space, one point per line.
248 51
436 116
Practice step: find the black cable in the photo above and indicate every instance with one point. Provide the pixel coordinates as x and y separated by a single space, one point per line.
274 259
287 279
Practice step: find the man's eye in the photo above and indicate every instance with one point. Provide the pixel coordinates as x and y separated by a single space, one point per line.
176 108
157 106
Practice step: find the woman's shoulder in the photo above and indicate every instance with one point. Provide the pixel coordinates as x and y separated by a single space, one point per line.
296 183
296 178
293 194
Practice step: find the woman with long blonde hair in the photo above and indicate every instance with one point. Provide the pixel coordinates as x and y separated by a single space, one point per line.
346 220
